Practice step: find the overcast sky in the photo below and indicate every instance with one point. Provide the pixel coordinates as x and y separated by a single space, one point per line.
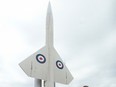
84 36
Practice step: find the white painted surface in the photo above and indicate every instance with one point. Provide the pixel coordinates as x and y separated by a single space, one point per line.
49 70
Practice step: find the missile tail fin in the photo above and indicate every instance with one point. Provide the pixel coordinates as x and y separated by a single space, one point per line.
36 65
61 72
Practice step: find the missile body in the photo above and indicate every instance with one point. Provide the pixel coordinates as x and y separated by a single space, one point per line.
46 64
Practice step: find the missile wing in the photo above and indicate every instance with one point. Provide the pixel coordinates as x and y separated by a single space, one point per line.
37 66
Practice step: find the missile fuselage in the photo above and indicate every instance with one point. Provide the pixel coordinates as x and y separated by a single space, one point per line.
49 44
49 27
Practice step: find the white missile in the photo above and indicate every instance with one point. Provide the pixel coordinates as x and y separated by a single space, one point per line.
46 64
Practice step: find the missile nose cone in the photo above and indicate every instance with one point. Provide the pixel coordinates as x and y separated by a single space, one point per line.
49 11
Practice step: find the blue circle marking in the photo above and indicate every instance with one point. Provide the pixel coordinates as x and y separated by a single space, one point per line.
40 58
59 64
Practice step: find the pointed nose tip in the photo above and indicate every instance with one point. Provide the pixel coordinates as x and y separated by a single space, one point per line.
49 4
49 8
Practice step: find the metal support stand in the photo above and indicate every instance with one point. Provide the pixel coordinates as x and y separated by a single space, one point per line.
54 84
37 83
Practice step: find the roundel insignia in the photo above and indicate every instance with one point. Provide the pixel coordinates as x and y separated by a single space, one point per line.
40 58
59 64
